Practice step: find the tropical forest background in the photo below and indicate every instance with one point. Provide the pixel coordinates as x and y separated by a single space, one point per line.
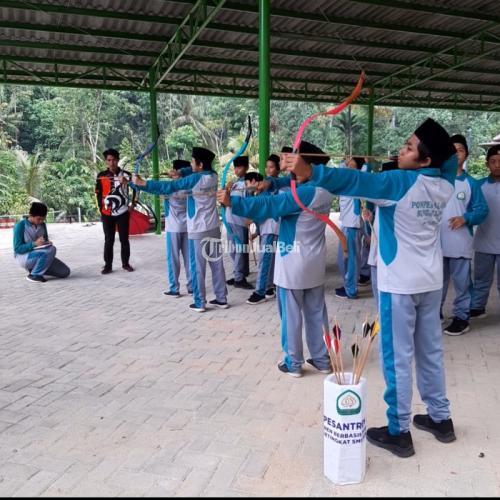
51 139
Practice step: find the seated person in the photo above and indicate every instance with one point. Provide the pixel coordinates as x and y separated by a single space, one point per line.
32 248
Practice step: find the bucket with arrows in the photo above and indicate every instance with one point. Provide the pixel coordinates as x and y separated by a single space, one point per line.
344 431
344 422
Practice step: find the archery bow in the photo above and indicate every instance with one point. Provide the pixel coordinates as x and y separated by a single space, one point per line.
240 151
138 160
337 109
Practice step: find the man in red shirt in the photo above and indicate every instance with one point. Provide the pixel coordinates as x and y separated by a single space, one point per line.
113 199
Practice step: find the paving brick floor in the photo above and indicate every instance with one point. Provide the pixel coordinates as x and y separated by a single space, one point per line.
109 388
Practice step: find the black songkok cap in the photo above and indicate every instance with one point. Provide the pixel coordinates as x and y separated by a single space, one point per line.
436 140
204 156
494 150
460 139
286 149
241 161
178 164
318 157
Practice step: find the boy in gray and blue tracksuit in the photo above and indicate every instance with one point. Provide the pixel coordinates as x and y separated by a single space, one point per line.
176 236
299 272
237 231
268 236
410 203
487 238
202 224
465 209
350 219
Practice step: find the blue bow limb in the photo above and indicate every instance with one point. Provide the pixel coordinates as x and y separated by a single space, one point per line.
242 149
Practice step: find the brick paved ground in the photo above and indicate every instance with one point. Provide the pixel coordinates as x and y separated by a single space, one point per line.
109 388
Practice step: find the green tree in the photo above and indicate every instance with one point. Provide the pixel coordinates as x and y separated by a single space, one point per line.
68 185
181 140
350 128
10 119
13 197
30 171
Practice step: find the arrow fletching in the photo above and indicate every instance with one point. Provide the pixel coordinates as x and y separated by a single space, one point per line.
337 332
365 328
355 350
327 340
375 329
336 345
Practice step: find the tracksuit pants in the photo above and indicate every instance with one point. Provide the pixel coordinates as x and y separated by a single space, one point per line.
44 262
410 327
267 254
484 268
177 242
349 267
459 272
238 250
308 307
200 252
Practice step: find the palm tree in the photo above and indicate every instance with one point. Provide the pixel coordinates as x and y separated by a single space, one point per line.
30 171
188 114
348 125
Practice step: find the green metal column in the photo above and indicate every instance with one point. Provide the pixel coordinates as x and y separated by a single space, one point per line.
264 83
154 153
371 109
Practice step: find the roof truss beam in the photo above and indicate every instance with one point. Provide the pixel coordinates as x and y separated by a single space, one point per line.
216 45
193 24
280 92
425 70
248 64
433 9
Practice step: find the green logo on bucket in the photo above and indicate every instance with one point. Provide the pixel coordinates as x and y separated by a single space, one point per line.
348 403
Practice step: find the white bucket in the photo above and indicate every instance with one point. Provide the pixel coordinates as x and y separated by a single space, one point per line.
344 431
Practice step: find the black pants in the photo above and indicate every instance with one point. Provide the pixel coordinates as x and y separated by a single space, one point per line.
109 223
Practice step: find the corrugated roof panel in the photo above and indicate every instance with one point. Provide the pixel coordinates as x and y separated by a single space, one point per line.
318 42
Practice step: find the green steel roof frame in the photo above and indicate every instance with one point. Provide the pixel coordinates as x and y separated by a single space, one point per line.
388 87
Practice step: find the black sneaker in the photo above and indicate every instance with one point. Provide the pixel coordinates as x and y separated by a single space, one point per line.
172 294
342 294
230 282
36 279
256 298
442 431
401 445
282 367
196 308
270 293
457 327
324 370
478 313
106 270
220 305
364 280
243 284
